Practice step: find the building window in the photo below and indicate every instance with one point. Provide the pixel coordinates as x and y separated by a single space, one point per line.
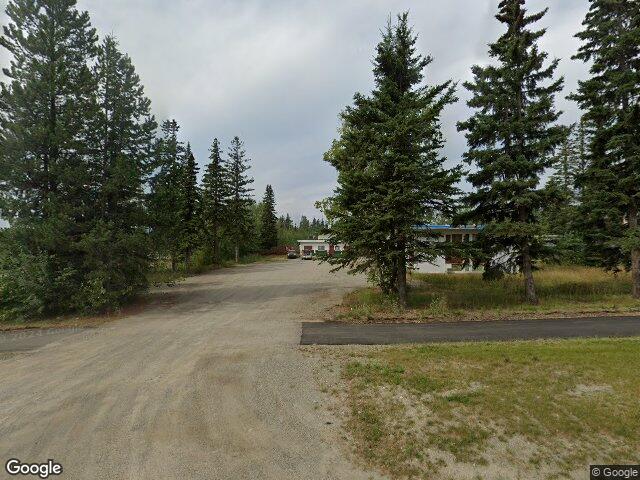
337 248
320 248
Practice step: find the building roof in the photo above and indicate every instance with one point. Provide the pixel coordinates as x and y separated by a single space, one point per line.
428 226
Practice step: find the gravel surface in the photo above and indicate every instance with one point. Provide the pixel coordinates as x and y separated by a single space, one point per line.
210 385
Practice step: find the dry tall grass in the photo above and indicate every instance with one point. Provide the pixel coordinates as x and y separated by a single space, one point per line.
561 290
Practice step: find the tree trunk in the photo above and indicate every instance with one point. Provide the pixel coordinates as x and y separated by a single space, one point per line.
527 270
401 282
635 255
237 253
173 262
216 246
187 260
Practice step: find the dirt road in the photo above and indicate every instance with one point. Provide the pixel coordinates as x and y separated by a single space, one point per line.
208 384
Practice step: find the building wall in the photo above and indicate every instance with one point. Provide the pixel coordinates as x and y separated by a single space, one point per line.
314 245
438 266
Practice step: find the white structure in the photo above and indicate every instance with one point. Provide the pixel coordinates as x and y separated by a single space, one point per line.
320 246
435 233
447 233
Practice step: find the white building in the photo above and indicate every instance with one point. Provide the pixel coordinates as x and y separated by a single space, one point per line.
320 246
447 233
437 233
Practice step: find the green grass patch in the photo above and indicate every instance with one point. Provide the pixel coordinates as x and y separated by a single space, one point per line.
514 405
561 290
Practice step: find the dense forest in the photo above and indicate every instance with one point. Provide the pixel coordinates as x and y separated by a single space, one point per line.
98 195
392 177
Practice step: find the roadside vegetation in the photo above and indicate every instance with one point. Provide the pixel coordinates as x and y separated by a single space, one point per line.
540 409
562 290
392 177
101 200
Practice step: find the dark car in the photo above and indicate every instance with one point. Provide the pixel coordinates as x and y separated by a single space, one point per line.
292 254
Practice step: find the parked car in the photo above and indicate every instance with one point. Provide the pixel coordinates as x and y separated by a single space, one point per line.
307 255
292 254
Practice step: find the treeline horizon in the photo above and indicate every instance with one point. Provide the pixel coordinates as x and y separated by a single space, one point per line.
392 176
97 195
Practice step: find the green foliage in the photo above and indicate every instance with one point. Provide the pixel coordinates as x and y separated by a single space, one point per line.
215 198
189 215
511 137
268 224
241 222
611 183
116 249
46 109
165 192
390 175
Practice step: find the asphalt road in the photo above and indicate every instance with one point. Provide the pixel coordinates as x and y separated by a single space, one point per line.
208 384
330 333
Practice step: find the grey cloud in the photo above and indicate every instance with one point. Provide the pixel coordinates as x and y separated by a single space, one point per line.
277 73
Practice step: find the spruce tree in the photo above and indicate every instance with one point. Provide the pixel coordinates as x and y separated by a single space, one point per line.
189 207
610 99
240 218
215 198
391 176
563 165
124 135
165 197
288 223
269 223
46 106
511 137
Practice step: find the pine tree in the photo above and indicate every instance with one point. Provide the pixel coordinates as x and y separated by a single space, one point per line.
189 207
563 165
124 135
304 223
45 110
511 138
215 198
390 173
240 218
164 198
269 223
610 99
581 145
288 223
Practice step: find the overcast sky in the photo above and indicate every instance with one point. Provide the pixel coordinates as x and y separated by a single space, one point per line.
277 73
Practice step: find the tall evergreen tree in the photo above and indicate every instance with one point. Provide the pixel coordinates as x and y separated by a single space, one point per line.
511 138
288 223
304 223
124 135
391 176
563 164
610 99
164 197
240 218
215 198
269 224
45 110
189 207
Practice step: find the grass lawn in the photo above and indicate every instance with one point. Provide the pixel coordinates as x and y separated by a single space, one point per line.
561 290
540 409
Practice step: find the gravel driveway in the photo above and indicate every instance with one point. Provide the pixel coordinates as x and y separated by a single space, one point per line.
208 384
